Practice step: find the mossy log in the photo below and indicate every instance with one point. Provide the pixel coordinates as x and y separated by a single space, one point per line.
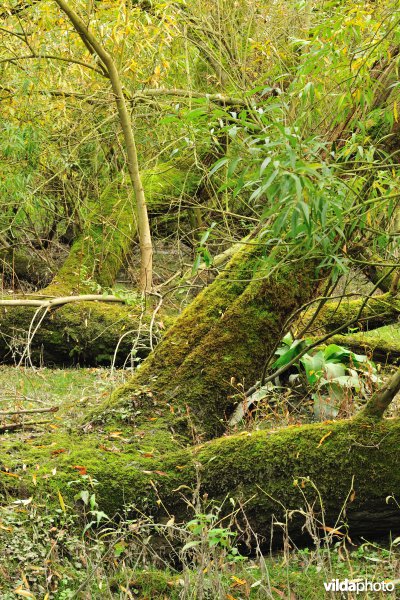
378 310
85 333
20 265
332 466
383 343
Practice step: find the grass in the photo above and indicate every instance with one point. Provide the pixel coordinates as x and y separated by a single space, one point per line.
46 555
73 391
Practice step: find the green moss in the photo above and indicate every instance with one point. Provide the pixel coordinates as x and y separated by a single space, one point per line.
383 343
157 585
220 342
378 310
267 471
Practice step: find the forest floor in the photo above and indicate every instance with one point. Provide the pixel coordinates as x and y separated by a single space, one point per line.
49 551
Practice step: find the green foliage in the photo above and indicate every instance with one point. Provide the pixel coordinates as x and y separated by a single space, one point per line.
330 373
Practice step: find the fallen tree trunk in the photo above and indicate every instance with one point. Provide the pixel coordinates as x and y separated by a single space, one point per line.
378 310
382 344
19 265
321 471
75 333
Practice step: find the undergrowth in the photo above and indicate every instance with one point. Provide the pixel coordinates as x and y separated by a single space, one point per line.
62 551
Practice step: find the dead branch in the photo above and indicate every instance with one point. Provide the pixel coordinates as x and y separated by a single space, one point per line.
60 301
52 409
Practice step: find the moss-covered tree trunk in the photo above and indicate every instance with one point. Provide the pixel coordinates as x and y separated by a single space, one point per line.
365 314
89 332
218 346
146 446
332 466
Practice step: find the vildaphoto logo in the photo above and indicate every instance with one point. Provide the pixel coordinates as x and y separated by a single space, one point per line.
346 585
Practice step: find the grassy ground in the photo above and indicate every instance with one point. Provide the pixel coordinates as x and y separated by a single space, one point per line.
50 551
72 391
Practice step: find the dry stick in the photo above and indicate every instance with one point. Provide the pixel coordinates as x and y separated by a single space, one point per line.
21 398
153 317
60 301
379 402
13 426
117 348
31 335
29 411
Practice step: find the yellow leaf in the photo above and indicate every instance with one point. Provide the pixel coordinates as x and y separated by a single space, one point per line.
237 582
9 474
395 113
25 593
321 441
332 530
61 501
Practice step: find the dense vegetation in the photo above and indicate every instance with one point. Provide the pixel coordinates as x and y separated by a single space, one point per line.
199 329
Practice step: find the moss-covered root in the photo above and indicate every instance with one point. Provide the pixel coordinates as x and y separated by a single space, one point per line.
218 347
339 463
378 310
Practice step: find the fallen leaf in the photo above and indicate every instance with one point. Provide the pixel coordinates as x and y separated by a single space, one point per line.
59 451
61 501
279 592
109 448
25 593
161 473
82 470
181 487
237 582
333 531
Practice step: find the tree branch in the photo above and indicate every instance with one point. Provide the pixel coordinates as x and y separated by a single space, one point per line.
60 301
